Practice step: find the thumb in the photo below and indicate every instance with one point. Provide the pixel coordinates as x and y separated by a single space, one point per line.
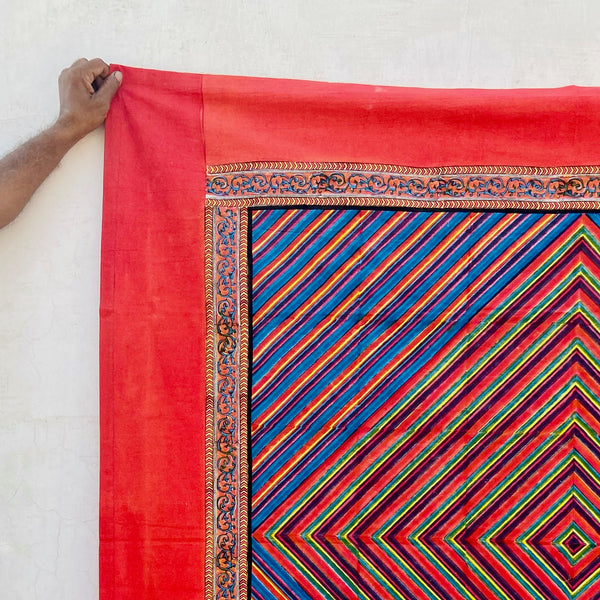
109 88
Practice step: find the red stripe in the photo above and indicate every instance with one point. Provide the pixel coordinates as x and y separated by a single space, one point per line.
152 343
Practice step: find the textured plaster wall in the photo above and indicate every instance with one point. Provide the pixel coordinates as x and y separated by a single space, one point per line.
49 258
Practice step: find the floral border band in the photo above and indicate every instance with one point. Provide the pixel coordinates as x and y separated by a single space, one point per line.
333 180
230 192
227 404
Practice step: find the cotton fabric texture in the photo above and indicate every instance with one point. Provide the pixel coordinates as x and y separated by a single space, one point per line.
349 341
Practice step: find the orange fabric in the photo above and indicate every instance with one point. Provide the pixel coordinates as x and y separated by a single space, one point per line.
162 131
250 119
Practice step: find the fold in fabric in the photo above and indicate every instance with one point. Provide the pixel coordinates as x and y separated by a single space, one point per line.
349 341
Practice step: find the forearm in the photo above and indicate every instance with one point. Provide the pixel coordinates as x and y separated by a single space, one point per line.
86 89
23 170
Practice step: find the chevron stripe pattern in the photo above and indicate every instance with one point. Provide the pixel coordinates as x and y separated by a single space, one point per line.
425 405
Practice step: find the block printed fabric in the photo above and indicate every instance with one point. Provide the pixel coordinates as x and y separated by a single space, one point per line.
349 342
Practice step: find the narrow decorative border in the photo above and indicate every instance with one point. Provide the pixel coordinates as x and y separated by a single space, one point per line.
400 184
228 467
230 193
227 402
209 505
248 167
403 203
244 406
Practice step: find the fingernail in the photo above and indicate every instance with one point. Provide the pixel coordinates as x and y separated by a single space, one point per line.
119 76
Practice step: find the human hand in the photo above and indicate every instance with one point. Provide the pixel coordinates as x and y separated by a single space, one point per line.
86 90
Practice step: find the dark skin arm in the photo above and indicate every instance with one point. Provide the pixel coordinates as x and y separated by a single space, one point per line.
86 90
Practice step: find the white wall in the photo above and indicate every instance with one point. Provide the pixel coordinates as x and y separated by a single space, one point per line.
49 258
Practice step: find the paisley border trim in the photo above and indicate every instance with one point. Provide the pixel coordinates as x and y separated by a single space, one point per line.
228 304
400 184
227 391
246 167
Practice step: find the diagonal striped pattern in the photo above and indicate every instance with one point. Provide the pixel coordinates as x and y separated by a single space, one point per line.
425 405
